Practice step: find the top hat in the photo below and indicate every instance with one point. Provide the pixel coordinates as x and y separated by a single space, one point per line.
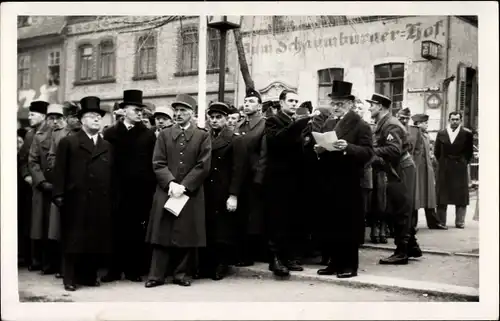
132 97
380 99
164 111
55 109
90 104
39 106
184 100
405 112
341 90
307 105
253 93
219 107
420 118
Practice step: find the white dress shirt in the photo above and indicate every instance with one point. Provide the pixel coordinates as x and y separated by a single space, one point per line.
128 125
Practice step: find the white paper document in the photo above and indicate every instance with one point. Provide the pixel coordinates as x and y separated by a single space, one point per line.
326 140
175 204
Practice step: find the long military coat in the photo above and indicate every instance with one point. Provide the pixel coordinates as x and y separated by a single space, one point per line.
40 172
183 157
83 176
225 179
425 190
344 220
452 186
251 206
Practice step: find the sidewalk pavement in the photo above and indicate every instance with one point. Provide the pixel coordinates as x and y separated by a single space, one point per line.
446 242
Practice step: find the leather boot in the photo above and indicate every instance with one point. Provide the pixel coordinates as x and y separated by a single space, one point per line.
398 258
278 268
374 234
294 266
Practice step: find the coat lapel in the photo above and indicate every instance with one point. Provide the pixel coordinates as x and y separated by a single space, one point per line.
85 142
346 124
224 138
100 148
177 130
381 122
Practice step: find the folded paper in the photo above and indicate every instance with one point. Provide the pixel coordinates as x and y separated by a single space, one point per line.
175 204
326 140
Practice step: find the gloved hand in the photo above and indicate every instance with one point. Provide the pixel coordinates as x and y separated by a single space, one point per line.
232 203
45 186
175 189
58 201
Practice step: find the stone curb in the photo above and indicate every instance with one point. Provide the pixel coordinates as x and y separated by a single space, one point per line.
451 292
426 251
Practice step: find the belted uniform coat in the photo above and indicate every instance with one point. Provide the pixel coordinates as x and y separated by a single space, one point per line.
182 156
83 177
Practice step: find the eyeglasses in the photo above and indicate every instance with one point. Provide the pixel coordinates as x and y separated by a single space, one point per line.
93 116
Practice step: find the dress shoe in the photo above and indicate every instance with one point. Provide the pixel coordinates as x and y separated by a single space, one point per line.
414 251
244 263
395 259
329 270
59 275
293 266
154 283
278 268
182 282
382 240
34 267
48 271
460 226
347 274
324 261
70 287
133 278
220 272
111 278
438 227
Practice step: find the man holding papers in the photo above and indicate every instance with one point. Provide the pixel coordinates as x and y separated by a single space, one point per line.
342 164
181 163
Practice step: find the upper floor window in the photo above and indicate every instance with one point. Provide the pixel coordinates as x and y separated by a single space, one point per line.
106 59
96 61
54 67
389 81
24 21
86 54
23 71
325 80
146 56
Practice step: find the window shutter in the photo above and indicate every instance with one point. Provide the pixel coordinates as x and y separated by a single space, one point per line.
462 89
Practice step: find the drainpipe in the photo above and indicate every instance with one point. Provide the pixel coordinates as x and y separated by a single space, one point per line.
446 81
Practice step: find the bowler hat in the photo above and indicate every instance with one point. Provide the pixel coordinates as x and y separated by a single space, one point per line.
55 109
253 93
90 104
132 97
380 99
341 90
218 107
405 112
307 105
39 106
184 100
420 118
167 111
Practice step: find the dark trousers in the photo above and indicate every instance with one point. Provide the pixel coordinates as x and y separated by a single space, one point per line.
344 255
430 217
129 251
400 213
215 254
80 268
47 254
459 214
248 248
181 261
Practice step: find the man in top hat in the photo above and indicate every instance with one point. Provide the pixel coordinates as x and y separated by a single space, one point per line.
234 118
392 156
284 184
425 191
250 208
133 144
454 149
221 193
163 118
83 192
343 224
181 163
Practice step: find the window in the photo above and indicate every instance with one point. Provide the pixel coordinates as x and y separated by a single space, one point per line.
467 102
146 56
54 67
189 50
23 71
389 81
106 59
86 54
23 21
325 80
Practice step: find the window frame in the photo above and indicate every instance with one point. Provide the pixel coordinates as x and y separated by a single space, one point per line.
26 68
391 80
140 48
55 61
112 60
329 83
95 65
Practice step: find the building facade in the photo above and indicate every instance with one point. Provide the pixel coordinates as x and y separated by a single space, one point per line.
161 60
377 54
40 52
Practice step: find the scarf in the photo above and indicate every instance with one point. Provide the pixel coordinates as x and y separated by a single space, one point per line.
453 133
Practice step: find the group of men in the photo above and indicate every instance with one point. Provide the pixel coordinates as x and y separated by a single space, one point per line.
258 189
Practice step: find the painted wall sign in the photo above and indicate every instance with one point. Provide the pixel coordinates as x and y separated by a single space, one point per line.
412 32
423 90
46 93
434 101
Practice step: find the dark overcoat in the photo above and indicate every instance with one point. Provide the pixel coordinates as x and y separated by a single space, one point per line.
40 172
452 186
344 221
183 157
225 178
284 181
251 207
83 177
135 178
425 190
